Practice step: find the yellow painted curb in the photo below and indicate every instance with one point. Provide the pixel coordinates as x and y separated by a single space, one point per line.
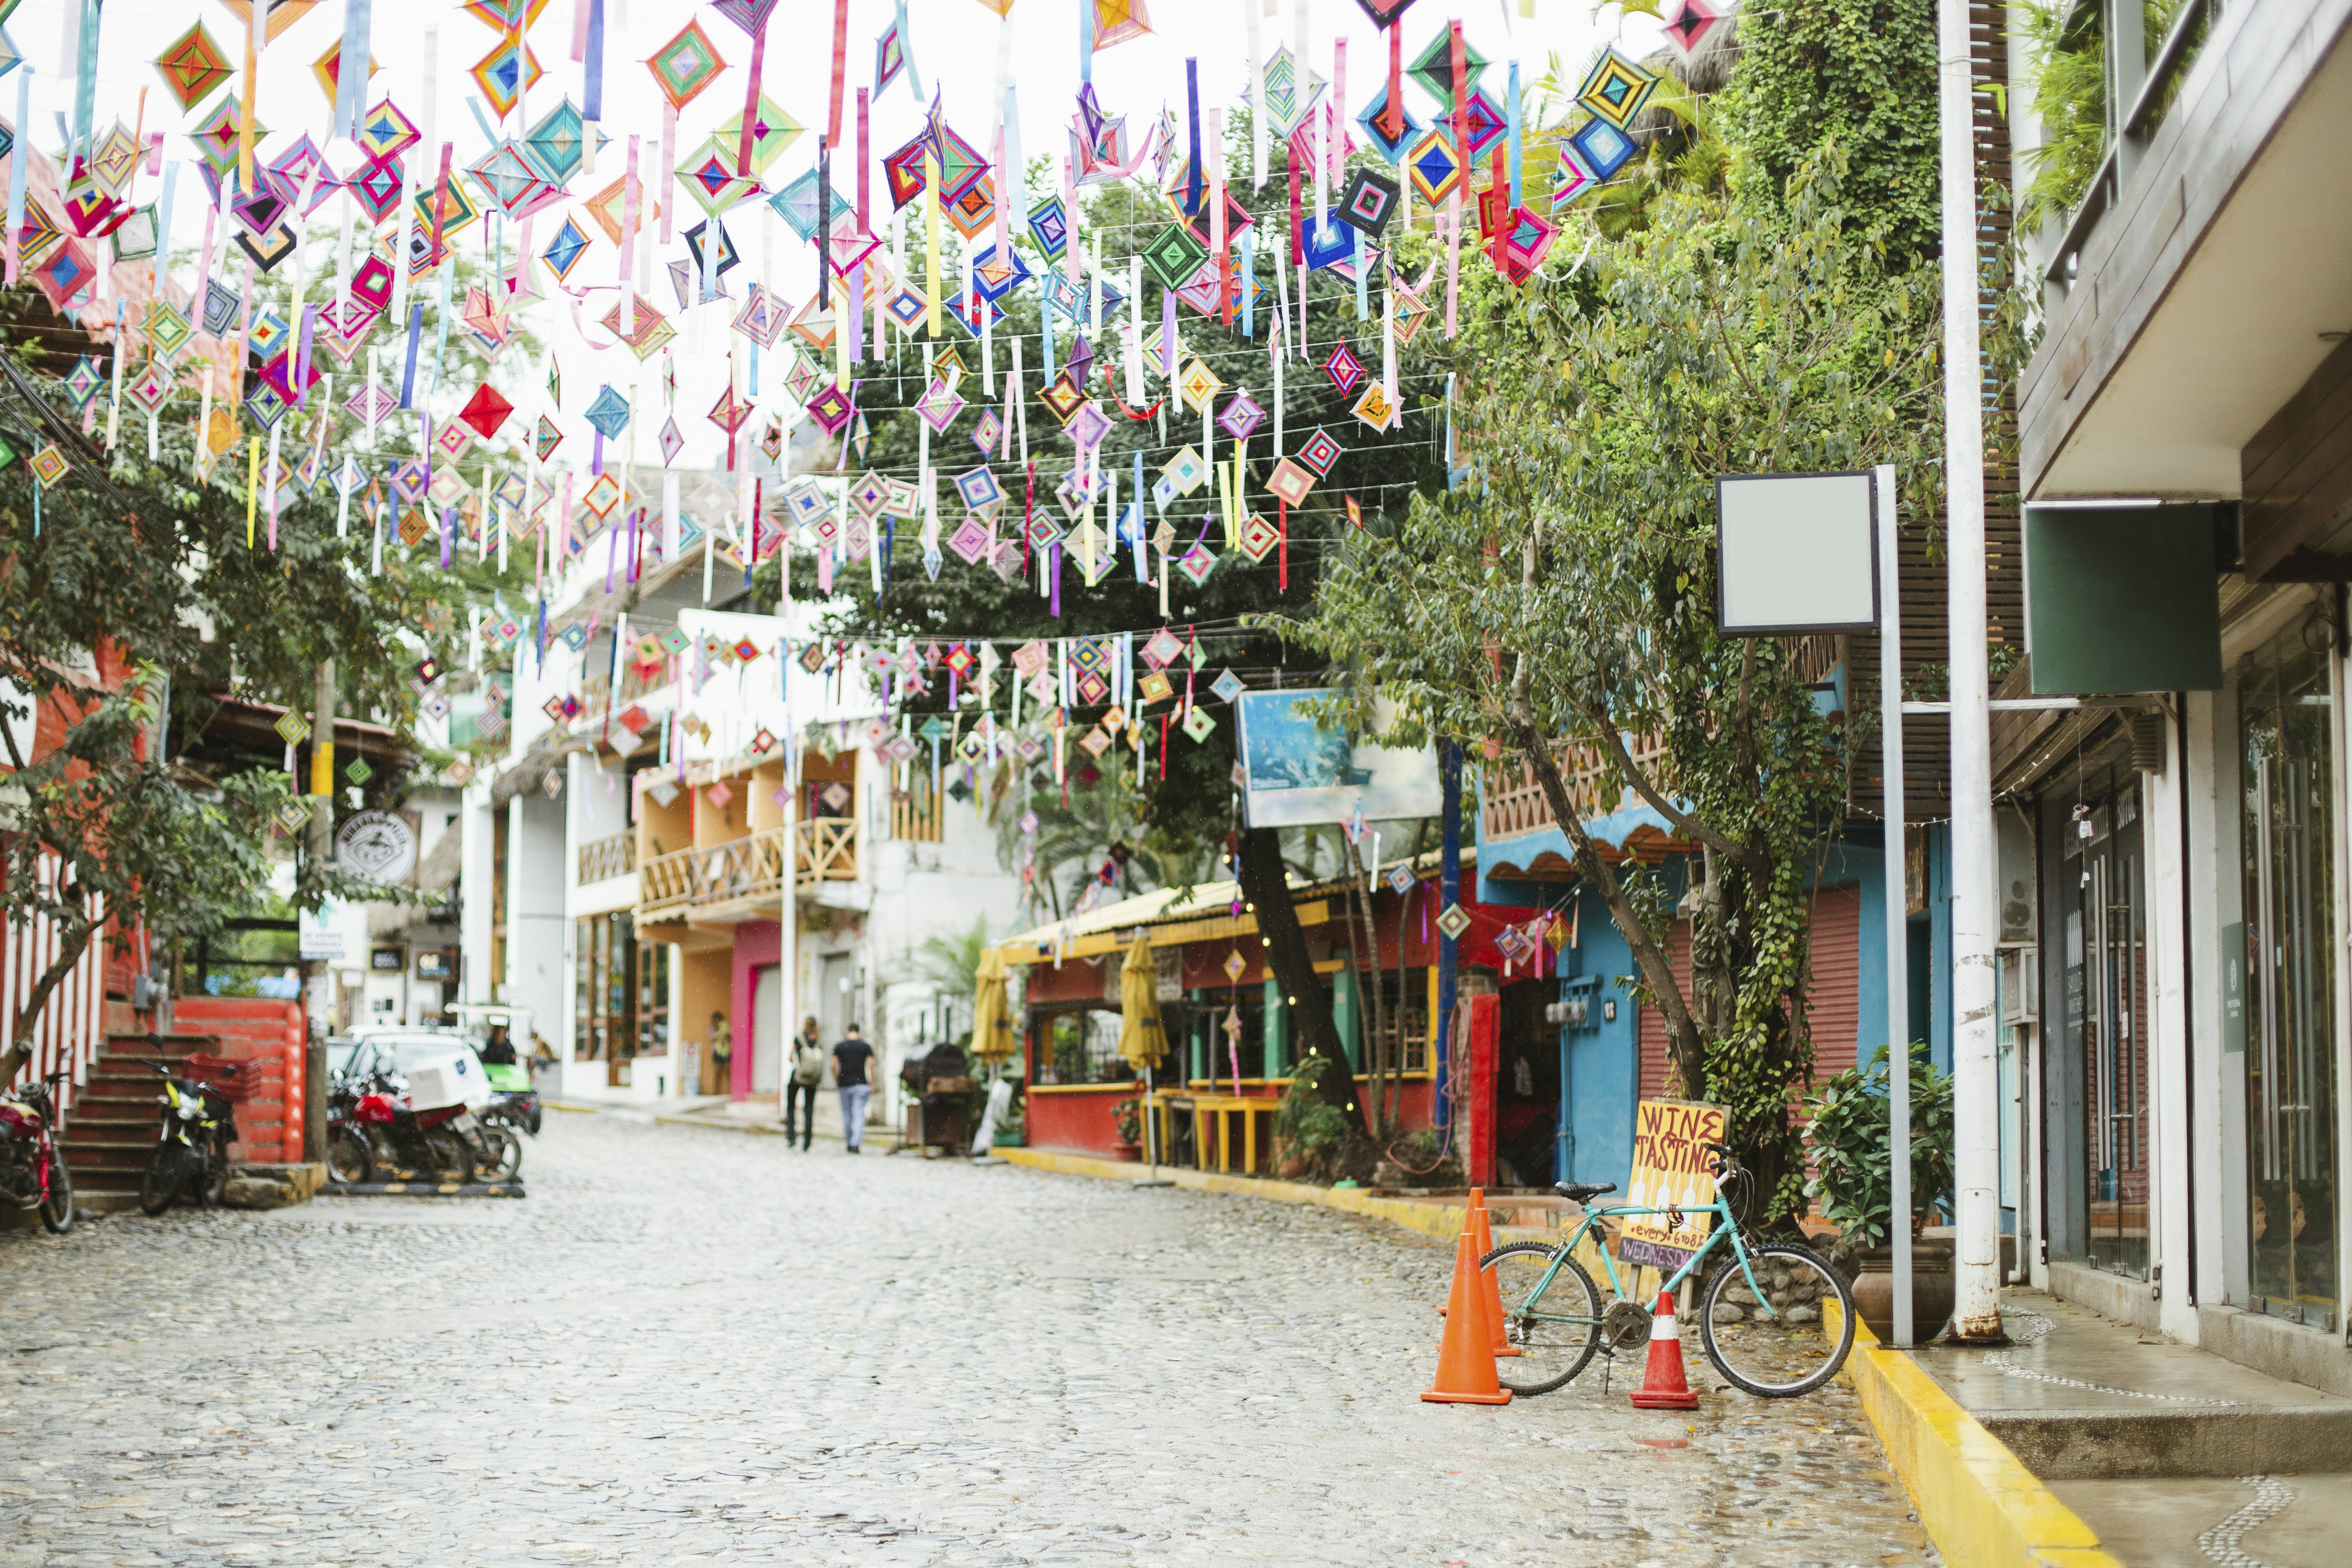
1979 1505
1442 1221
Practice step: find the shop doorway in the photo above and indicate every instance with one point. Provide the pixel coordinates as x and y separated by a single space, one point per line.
767 1005
2286 724
2102 894
1527 1087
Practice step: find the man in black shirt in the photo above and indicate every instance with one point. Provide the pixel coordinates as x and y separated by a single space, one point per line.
852 1059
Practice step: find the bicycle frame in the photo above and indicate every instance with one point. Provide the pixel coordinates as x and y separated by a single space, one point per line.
1729 1227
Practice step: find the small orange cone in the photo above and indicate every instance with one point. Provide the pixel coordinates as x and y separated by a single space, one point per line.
1465 1366
1663 1387
1479 1221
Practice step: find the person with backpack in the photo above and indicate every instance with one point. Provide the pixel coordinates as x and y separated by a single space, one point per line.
852 1059
807 1072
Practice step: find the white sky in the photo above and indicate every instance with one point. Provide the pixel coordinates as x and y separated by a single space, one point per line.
954 45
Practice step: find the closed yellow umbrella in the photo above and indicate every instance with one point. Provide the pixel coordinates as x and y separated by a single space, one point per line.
1141 1040
992 1016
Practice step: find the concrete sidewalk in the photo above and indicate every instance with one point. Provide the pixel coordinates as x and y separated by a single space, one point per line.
2172 1455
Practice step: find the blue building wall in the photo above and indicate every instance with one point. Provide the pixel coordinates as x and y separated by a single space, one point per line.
1600 1061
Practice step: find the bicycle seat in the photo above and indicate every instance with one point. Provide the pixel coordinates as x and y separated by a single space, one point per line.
1583 1192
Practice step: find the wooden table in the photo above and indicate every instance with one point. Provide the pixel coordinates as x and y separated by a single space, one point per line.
1217 1109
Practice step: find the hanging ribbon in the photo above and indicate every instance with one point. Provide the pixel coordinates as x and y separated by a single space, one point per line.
1139 415
592 70
1192 180
840 70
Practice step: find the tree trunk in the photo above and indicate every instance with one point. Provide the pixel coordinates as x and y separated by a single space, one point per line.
1266 884
1684 1041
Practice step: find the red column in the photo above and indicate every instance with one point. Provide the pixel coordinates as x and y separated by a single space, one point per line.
1486 1033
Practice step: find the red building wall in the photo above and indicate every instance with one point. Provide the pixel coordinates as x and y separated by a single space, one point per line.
256 1029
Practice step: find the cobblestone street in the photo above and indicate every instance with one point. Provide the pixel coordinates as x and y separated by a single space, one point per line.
699 1346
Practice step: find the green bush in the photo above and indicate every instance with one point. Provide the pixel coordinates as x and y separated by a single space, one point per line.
1313 1124
1849 1131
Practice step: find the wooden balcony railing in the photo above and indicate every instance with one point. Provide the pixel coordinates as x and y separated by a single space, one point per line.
746 871
1515 802
607 857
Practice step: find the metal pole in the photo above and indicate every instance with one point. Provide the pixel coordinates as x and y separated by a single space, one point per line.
1976 1070
1151 1176
1899 900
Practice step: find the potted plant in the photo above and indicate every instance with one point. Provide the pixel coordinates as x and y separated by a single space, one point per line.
1010 1132
1852 1184
1129 1114
1307 1127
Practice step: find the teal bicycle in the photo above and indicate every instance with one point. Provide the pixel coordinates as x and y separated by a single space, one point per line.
1760 1305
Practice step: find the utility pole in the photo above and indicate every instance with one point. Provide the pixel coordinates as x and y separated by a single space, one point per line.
317 974
1975 1090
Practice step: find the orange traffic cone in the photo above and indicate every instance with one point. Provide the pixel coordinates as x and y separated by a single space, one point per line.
1663 1387
1480 1222
1465 1366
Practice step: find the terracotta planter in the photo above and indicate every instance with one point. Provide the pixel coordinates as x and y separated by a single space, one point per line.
1931 1289
1127 1150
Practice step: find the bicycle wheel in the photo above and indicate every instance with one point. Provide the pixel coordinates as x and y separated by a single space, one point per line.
1556 1324
1776 1348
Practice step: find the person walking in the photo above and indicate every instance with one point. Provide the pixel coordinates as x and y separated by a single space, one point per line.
722 1055
808 1071
850 1059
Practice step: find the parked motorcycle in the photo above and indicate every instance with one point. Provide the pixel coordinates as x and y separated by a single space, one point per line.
199 1124
33 1173
372 1135
514 1103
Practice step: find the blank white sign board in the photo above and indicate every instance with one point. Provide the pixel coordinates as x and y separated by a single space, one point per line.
1798 554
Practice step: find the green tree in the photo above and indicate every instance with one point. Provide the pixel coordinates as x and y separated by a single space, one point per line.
1568 590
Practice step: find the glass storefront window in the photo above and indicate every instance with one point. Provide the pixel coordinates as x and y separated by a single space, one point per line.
2288 835
2103 898
603 1017
1079 1045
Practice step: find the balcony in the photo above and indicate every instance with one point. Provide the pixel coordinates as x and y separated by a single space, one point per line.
1513 802
608 857
744 877
2200 282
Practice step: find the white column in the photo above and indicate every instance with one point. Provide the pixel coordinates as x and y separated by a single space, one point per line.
1975 1090
2170 1133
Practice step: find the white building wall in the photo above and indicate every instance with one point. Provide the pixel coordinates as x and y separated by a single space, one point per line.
536 923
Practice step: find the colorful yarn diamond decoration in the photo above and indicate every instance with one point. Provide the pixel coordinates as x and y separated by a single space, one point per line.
938 406
994 276
328 69
1435 171
980 490
1346 371
970 541
608 413
1369 202
1433 68
1374 408
1689 24
988 431
565 250
1482 124
1197 385
729 412
1258 539
1319 452
385 133
1289 483
376 187
1409 129
49 465
832 409
546 439
774 131
1526 240
1062 399
709 178
558 144
485 412
1185 471
1602 148
1196 563
215 136
1241 416
192 67
497 74
1572 182
1116 21
685 65
672 442
1174 255
1615 89
1291 92
82 382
